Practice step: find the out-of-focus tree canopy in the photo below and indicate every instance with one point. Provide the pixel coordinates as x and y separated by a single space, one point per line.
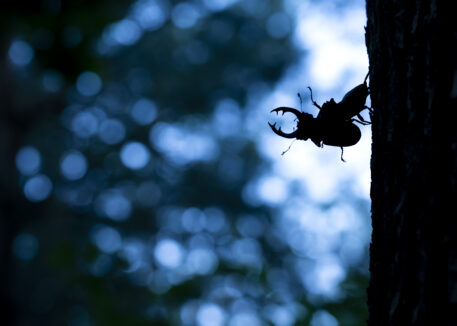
128 158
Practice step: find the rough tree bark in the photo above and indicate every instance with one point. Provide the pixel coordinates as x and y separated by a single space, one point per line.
413 62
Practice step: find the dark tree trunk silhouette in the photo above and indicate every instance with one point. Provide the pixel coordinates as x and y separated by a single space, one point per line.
413 62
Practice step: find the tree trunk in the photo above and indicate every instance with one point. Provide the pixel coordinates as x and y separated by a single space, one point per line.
413 84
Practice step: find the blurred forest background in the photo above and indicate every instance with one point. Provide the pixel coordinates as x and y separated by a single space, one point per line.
141 184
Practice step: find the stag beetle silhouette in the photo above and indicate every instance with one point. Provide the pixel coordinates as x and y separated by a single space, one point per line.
334 125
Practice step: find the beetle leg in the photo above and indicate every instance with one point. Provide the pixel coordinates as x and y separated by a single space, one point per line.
312 100
288 147
342 151
362 120
363 123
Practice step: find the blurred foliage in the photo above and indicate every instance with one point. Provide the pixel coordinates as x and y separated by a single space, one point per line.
161 232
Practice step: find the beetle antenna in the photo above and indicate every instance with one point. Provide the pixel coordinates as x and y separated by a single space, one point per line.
342 151
301 101
312 100
289 147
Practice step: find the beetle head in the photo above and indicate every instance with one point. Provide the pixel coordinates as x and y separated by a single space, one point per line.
304 124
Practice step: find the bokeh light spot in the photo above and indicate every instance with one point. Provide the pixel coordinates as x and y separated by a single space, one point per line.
114 205
125 32
210 314
135 155
28 160
133 251
202 261
107 239
326 275
280 315
25 246
88 83
193 220
111 131
151 14
85 124
272 190
73 165
215 219
169 253
323 318
185 15
21 53
144 111
250 226
188 311
247 252
38 188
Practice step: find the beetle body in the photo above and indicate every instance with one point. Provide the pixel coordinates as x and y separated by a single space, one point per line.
331 133
334 125
342 134
351 105
356 97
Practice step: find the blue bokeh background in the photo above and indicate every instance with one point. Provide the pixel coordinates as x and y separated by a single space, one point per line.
153 191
